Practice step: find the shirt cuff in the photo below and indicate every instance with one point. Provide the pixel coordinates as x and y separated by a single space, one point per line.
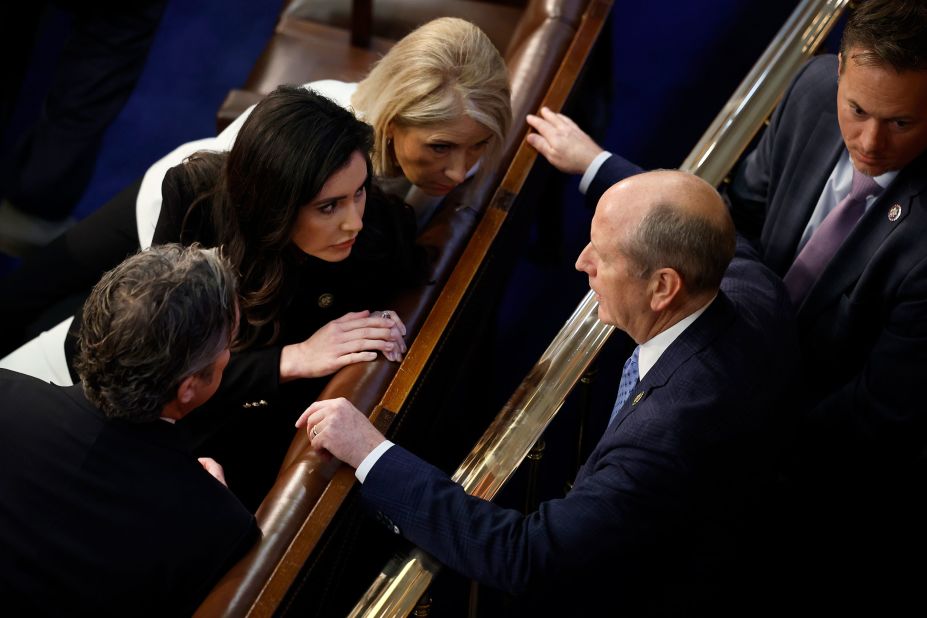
371 458
592 170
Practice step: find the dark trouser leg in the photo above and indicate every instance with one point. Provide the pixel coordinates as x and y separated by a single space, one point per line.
96 74
18 25
51 283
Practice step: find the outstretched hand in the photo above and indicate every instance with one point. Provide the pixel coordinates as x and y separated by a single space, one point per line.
560 141
336 426
352 338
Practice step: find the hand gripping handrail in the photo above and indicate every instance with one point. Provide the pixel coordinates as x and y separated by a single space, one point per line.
530 409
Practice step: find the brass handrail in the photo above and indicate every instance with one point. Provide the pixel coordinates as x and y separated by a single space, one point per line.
756 96
530 409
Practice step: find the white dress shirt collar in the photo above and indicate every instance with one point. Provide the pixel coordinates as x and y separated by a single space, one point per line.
652 349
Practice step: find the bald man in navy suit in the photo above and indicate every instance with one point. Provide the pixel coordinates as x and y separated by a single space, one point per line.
655 517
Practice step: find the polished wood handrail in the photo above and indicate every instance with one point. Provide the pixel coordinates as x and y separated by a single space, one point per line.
534 404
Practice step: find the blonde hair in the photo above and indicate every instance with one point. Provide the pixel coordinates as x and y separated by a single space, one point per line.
437 73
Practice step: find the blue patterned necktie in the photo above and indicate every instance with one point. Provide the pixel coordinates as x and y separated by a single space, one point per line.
825 241
629 379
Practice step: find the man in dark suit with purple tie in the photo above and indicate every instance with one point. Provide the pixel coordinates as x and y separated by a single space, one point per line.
654 518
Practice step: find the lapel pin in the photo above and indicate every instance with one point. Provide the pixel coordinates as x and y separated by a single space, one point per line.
894 212
637 398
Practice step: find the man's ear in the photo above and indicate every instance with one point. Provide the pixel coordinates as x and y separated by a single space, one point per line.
184 400
665 286
187 390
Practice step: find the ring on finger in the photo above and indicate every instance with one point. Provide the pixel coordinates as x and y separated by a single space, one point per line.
314 433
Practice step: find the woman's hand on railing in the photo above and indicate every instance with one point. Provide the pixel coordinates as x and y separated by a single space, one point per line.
561 142
352 338
398 332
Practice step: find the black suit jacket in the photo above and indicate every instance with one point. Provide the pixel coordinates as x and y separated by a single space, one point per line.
652 522
105 518
863 325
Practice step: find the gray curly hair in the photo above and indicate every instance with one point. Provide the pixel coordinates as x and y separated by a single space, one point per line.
160 316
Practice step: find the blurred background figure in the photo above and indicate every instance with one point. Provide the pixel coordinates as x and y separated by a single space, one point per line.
50 163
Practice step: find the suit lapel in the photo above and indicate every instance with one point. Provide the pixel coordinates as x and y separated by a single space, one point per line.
805 182
694 339
866 237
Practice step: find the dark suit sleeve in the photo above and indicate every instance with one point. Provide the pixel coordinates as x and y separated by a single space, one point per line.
614 169
881 405
617 506
251 375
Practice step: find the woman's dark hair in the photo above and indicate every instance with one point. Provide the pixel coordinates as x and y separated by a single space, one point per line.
290 145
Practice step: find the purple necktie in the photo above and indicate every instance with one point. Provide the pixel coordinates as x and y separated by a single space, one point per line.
825 240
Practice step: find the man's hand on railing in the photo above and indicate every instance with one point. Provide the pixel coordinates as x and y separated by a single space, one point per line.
336 426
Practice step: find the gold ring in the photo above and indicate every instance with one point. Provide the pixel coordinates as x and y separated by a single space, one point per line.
314 432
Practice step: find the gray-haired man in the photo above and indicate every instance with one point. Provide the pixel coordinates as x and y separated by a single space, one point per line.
104 512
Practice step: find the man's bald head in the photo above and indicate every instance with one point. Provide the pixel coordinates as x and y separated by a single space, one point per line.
671 219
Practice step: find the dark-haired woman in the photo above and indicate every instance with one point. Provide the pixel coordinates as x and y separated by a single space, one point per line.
316 248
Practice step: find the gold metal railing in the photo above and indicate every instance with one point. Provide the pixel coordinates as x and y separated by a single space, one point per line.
756 96
531 408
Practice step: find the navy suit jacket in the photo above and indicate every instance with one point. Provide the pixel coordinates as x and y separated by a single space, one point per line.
652 519
863 325
102 517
